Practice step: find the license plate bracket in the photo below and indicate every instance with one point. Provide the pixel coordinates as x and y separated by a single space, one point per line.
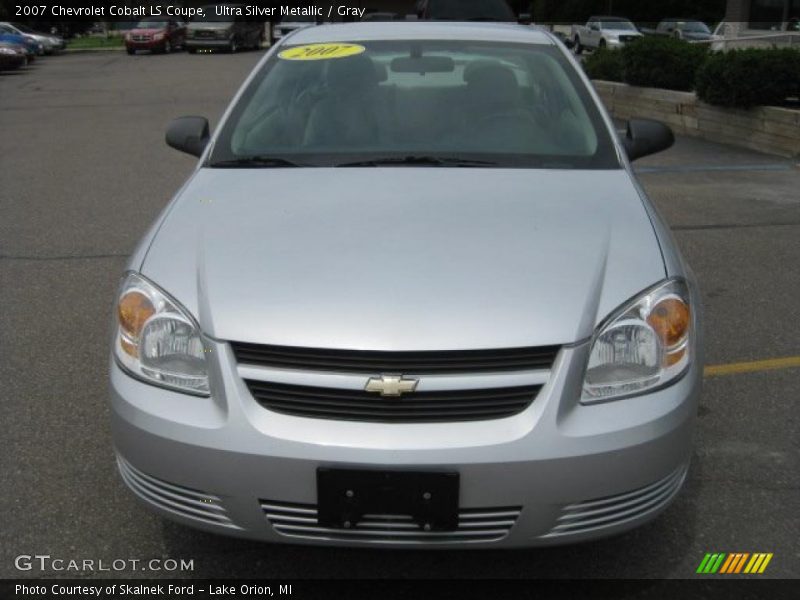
344 496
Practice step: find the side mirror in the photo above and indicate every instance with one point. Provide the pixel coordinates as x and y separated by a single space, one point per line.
524 19
188 134
645 137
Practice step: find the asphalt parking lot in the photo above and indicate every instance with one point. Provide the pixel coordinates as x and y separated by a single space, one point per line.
83 172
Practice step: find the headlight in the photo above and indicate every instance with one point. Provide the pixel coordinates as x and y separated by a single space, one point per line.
644 345
158 36
157 340
6 51
224 34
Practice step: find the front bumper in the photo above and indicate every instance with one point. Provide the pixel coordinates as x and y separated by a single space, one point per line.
557 472
145 44
207 43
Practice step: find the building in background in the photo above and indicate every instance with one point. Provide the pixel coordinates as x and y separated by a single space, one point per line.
750 16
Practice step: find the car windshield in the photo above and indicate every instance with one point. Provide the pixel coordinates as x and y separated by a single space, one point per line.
151 24
695 26
619 25
470 10
210 15
23 28
417 102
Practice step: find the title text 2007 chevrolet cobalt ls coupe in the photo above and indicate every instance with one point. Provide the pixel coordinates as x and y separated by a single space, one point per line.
411 295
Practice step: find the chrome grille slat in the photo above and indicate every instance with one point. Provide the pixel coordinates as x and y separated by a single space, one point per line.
173 498
475 525
611 511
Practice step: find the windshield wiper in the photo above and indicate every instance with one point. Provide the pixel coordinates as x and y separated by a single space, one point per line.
255 162
433 161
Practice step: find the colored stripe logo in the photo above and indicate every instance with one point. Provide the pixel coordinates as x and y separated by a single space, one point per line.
734 563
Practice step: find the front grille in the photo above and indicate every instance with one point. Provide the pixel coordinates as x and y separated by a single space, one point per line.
474 525
179 500
410 363
627 38
419 407
205 33
140 38
611 511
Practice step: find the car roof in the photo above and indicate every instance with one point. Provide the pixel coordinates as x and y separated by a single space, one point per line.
420 30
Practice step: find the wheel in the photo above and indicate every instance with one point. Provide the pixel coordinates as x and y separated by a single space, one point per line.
192 50
601 45
167 47
131 51
578 47
233 47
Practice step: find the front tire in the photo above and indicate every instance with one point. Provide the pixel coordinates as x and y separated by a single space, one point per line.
131 51
233 46
192 50
578 47
601 45
167 47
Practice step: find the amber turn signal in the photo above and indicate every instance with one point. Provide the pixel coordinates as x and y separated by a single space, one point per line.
133 311
670 320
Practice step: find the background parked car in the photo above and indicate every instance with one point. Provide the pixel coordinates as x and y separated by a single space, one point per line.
157 35
50 43
32 47
12 56
600 32
292 24
684 29
211 32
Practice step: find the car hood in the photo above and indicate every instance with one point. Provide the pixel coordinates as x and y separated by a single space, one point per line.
404 258
146 31
620 32
210 25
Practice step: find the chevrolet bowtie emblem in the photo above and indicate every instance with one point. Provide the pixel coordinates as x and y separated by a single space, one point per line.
391 385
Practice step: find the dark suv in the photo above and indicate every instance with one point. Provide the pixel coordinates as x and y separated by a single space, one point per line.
157 34
212 32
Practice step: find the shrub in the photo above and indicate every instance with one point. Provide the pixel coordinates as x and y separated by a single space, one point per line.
751 77
662 62
604 64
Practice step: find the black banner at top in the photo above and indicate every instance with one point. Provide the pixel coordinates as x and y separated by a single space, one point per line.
68 11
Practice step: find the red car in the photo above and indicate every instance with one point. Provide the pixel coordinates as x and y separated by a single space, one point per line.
156 34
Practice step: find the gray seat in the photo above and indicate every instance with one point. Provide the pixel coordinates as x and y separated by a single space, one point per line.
347 115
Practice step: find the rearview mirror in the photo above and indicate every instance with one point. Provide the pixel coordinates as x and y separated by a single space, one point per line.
188 134
645 136
423 64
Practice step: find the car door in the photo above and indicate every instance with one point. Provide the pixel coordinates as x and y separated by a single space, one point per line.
593 32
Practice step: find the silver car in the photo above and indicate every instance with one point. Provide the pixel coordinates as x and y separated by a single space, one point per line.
412 295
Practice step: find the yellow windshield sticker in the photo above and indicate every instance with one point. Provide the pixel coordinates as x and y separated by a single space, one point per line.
321 51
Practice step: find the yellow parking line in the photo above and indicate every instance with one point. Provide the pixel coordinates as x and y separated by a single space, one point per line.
753 366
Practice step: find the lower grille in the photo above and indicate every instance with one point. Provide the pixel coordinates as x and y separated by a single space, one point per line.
628 38
419 407
140 38
176 499
612 511
475 525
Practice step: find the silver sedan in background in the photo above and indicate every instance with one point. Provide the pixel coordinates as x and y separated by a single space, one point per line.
412 295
